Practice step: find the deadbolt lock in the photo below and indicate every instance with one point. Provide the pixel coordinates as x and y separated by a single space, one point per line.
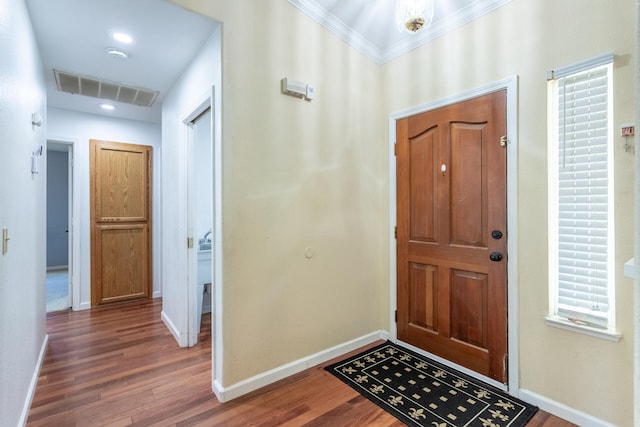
495 256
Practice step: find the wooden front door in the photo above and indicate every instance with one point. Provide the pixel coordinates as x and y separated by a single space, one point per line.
120 222
451 236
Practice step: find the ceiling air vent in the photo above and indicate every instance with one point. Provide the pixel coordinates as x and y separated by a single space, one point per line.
87 86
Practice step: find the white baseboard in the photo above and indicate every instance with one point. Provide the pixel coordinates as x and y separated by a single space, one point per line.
83 306
34 383
562 411
225 394
182 341
87 304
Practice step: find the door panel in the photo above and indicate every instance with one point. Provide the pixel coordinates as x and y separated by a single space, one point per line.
121 184
451 178
424 151
468 185
120 222
469 308
121 270
423 288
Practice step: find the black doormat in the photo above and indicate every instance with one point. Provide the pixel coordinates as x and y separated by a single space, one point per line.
421 392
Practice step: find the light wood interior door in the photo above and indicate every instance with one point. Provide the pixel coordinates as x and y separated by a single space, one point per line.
451 236
120 222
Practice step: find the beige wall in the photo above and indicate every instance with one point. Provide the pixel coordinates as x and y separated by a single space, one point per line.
528 38
314 174
297 174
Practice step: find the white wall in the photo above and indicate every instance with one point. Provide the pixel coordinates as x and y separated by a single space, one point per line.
22 212
65 125
188 92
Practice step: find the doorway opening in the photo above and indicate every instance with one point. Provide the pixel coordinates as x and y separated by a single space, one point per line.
200 218
59 226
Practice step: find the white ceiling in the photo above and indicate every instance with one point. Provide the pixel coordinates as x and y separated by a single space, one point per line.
73 36
370 25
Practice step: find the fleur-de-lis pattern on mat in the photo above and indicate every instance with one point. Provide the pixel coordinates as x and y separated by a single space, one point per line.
439 373
376 389
460 383
482 394
422 392
416 413
361 379
499 414
488 423
396 400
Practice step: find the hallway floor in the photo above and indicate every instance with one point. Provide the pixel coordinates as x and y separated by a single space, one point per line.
120 366
57 290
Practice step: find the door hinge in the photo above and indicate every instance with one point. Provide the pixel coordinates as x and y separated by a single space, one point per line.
395 149
395 315
395 231
504 141
189 242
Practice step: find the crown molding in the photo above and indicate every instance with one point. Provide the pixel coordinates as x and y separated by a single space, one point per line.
450 22
331 22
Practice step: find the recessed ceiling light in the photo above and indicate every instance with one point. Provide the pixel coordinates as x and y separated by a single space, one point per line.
107 107
117 53
122 37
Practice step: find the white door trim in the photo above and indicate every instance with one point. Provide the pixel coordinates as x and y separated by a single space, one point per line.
511 86
212 99
74 223
205 104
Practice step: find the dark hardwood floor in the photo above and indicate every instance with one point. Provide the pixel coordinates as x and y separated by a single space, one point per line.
120 366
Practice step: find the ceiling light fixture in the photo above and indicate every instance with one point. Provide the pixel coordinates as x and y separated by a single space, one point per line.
413 15
107 107
121 37
117 53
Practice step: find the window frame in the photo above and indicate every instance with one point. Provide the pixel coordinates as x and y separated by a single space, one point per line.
554 142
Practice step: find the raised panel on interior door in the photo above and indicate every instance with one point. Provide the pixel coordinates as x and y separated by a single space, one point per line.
423 291
468 185
422 186
469 307
123 267
122 186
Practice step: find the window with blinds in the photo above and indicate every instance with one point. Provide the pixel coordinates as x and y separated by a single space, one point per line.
581 203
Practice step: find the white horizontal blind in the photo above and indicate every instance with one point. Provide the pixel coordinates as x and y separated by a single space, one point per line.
583 197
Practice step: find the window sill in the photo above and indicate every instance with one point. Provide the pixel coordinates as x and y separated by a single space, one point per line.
605 334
